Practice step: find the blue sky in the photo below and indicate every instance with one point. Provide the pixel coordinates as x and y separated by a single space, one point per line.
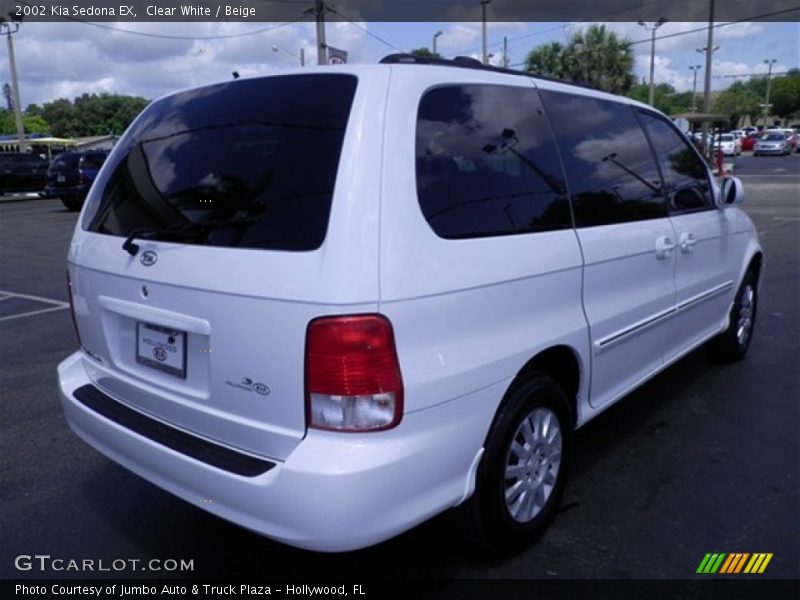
68 59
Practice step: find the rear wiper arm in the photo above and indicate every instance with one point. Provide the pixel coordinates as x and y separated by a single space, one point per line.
192 228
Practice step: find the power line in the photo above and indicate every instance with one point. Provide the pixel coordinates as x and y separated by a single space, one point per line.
662 37
556 28
367 31
718 25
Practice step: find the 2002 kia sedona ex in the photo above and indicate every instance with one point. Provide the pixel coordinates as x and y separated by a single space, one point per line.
338 301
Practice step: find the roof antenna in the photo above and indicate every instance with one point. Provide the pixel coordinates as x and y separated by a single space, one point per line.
235 74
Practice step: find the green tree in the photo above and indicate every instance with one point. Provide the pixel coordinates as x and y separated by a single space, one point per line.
35 124
32 123
425 53
61 115
737 101
785 96
92 114
546 60
598 58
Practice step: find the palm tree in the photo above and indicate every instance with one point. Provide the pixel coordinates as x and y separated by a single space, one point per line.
546 60
598 58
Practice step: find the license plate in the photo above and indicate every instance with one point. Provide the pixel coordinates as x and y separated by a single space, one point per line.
161 348
61 179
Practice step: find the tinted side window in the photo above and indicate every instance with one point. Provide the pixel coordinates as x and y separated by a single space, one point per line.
487 163
610 169
685 175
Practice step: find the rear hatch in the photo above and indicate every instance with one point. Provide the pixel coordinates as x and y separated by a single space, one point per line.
203 326
63 171
89 165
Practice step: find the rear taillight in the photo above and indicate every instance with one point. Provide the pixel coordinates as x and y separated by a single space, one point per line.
72 309
353 378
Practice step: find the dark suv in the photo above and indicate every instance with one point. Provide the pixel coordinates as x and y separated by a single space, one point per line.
71 175
21 172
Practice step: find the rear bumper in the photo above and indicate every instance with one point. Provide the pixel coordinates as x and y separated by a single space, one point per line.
335 492
55 191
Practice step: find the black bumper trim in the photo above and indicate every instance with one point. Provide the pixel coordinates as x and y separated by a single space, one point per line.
180 441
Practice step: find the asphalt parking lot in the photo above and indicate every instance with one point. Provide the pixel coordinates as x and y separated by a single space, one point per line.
702 459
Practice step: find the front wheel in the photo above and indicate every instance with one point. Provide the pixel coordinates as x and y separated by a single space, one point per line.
732 344
523 471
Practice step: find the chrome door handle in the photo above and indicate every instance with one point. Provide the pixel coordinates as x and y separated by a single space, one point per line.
664 247
687 241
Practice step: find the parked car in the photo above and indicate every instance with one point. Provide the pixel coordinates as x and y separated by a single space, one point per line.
71 175
749 142
331 347
729 144
791 138
772 142
21 172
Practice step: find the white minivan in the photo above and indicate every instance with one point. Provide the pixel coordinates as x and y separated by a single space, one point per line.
331 303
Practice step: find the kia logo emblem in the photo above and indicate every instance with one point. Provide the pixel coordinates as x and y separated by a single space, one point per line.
149 258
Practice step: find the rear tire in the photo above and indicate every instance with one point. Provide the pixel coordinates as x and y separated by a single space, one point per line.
732 344
522 473
72 204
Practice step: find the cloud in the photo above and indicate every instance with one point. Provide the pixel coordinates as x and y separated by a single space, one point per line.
68 59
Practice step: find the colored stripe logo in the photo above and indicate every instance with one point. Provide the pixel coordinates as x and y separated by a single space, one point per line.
734 563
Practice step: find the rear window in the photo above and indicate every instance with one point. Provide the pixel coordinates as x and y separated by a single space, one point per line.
67 160
93 161
264 151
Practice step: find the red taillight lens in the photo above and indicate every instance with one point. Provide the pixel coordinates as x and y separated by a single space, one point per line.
353 378
72 309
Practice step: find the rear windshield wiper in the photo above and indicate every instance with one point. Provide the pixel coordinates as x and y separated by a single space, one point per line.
186 230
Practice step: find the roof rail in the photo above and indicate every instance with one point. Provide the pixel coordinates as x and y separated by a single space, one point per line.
467 62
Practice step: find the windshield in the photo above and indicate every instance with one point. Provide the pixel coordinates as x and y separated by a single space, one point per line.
260 149
726 138
774 137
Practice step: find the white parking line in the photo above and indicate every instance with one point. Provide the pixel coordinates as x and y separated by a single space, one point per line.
58 303
34 312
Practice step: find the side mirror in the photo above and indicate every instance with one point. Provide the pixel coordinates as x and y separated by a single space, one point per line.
732 191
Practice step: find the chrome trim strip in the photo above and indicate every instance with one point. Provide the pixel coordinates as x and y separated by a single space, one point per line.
707 295
614 338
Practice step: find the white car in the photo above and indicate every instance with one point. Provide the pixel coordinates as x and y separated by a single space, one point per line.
330 303
730 144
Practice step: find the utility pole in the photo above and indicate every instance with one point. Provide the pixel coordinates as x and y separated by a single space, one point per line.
436 35
652 28
694 68
709 52
505 52
322 53
769 62
301 58
6 30
483 30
